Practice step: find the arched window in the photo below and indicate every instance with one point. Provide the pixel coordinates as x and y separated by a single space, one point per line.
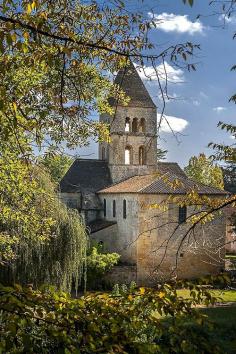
105 207
124 209
103 153
127 124
141 155
135 125
128 155
114 209
142 125
182 214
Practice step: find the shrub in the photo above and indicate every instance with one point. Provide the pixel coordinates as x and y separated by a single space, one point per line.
142 320
98 264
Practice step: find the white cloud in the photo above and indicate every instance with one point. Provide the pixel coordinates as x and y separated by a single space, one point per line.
170 97
219 109
170 123
196 103
225 19
173 75
176 23
203 95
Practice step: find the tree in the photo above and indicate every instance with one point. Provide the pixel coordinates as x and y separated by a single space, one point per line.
226 154
56 62
161 154
56 164
202 169
229 172
57 257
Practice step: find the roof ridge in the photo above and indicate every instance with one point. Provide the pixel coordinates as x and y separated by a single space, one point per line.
115 183
82 159
195 182
168 162
206 185
156 178
139 190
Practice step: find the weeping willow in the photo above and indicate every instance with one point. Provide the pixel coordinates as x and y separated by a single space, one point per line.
60 260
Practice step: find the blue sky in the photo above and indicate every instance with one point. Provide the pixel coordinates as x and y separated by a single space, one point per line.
201 97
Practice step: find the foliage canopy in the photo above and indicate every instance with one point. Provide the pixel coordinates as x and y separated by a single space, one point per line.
138 321
202 169
57 59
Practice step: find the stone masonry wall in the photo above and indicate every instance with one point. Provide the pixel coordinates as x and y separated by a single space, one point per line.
124 240
114 152
108 237
122 275
164 254
146 238
72 200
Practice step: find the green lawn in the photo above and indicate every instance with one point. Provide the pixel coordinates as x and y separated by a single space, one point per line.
224 319
224 334
224 295
230 256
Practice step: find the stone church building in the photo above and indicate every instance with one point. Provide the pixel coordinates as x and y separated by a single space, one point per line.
125 197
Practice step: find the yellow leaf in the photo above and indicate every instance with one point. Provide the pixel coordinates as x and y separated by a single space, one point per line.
142 291
33 5
161 294
26 35
29 9
14 106
130 297
13 37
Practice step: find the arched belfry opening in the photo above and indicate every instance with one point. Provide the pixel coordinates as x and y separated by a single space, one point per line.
142 125
131 149
135 125
141 155
128 155
127 124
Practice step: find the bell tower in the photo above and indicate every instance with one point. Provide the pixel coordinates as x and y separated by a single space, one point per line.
133 128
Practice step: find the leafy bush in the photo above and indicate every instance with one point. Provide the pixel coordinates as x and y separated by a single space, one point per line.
143 321
98 264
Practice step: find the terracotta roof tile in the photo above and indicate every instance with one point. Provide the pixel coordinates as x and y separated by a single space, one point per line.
160 186
130 185
162 183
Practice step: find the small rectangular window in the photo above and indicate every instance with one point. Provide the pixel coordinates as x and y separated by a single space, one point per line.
105 207
182 214
114 208
124 209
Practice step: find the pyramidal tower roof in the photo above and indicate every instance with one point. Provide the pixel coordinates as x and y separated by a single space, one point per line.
130 82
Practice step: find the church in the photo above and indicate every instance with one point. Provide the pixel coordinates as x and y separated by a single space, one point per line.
126 198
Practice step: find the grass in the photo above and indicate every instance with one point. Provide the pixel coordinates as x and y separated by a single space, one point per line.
230 256
223 295
224 319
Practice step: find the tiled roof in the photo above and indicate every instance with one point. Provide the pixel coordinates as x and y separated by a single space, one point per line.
98 225
131 185
171 167
130 82
161 186
162 183
86 175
